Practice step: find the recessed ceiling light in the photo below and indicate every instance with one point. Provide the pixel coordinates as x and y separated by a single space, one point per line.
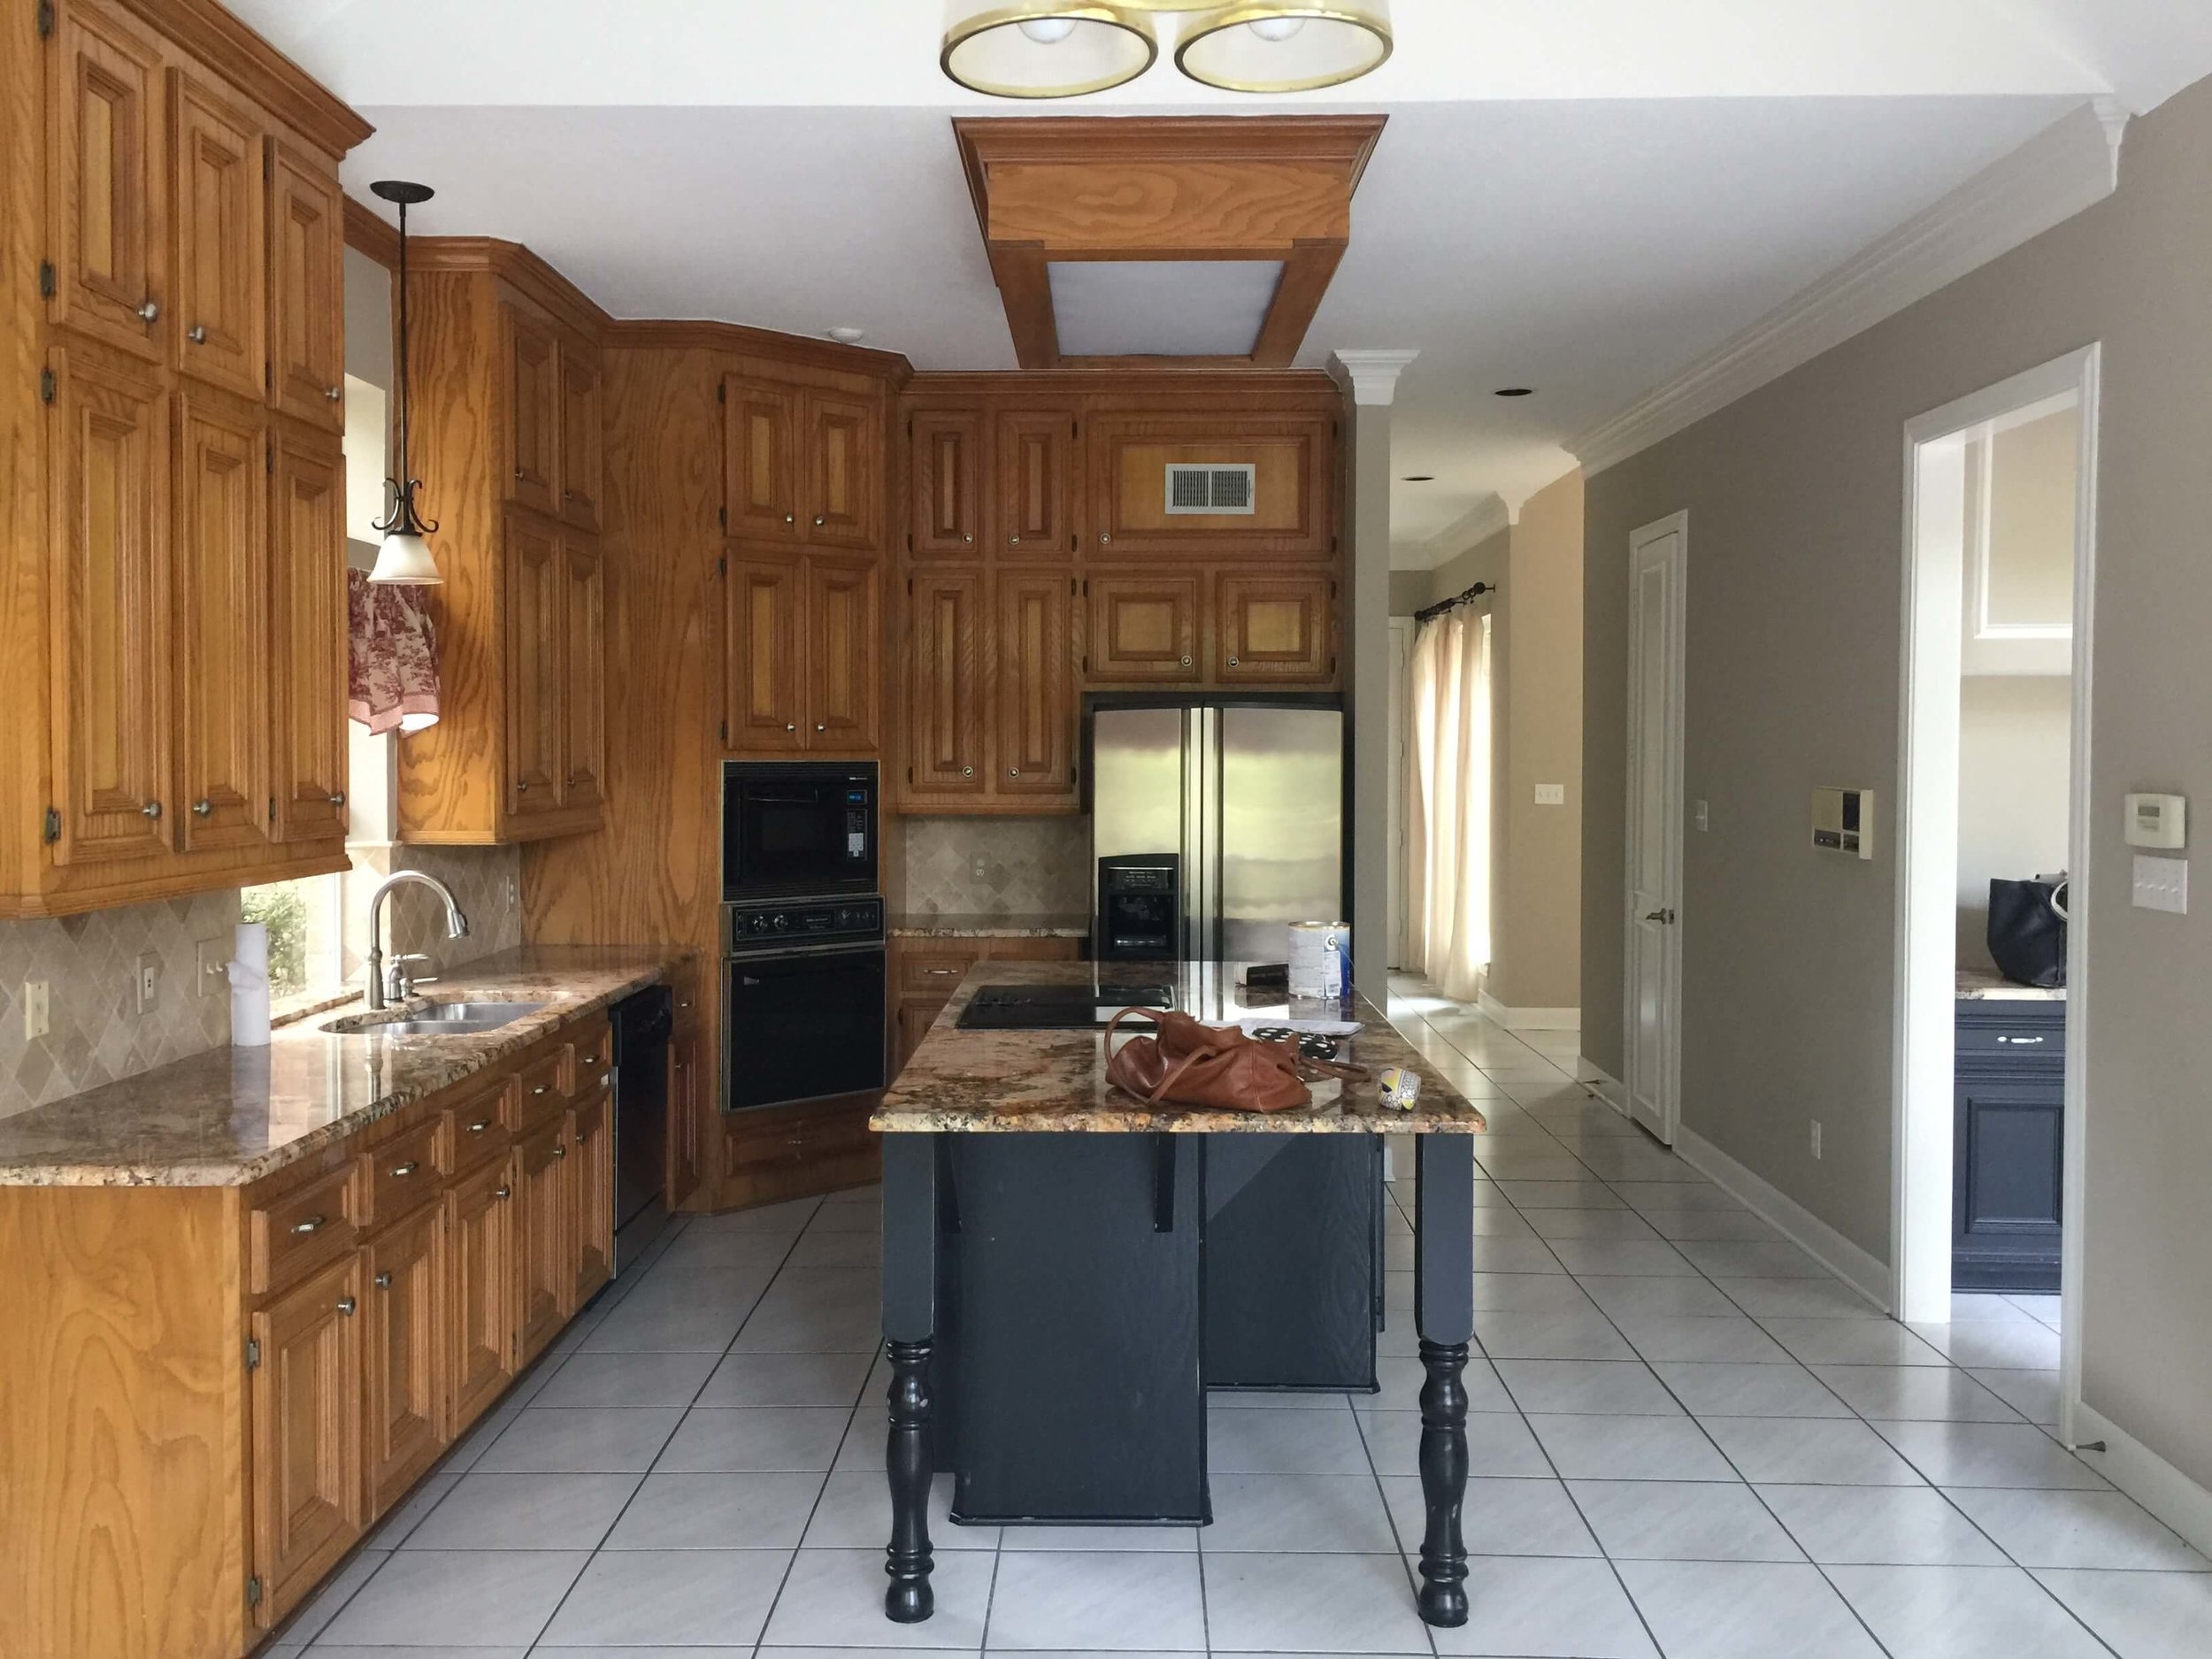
1515 391
1418 478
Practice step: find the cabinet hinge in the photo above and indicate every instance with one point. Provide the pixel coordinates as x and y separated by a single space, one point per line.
273 809
46 278
722 566
49 387
45 18
722 394
268 455
722 517
268 377
53 825
253 1592
725 733
253 1353
909 774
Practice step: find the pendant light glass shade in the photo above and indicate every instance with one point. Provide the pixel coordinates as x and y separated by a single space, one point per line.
1044 49
404 560
1285 45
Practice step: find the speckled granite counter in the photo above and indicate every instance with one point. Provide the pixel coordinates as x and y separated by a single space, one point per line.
1027 1081
1980 984
231 1115
951 925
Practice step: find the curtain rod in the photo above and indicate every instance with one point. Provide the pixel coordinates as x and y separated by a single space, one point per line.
1455 602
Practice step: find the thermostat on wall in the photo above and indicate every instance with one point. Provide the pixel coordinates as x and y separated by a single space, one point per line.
2158 820
1843 822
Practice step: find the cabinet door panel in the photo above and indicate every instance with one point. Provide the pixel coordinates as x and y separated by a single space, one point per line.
761 443
307 364
306 1405
844 483
406 1396
222 586
307 637
1289 509
688 1119
216 193
533 411
535 576
1033 733
844 637
761 697
1275 630
589 1175
580 434
945 691
1143 628
109 636
583 674
1035 453
107 189
544 1282
479 1290
946 445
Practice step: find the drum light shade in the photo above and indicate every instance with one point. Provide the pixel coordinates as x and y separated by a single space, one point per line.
1285 45
987 49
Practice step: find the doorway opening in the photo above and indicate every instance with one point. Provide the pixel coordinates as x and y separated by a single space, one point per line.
1658 615
1993 829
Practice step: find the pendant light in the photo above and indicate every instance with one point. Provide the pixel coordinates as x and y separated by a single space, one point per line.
1044 49
404 559
1276 46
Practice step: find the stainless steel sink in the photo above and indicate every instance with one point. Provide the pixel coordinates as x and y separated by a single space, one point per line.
437 1019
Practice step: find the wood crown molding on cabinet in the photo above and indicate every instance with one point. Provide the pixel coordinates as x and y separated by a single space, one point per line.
787 350
1051 189
219 39
369 232
519 267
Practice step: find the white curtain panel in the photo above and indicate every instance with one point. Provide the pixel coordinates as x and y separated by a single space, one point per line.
1449 857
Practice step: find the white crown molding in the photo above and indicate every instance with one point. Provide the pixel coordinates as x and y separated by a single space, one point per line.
2071 165
1489 516
1374 374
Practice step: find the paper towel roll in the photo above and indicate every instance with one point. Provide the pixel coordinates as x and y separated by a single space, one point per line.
248 975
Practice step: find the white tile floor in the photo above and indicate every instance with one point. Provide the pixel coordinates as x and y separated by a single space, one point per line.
1687 1440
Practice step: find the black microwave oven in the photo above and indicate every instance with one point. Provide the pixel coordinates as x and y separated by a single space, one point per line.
798 827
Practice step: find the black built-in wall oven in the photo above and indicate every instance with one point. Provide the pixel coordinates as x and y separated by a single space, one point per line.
802 933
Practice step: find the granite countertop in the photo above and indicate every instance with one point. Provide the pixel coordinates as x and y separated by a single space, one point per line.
1980 985
1026 1081
231 1116
956 925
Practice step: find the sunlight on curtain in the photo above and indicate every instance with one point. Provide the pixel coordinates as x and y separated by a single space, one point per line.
1448 856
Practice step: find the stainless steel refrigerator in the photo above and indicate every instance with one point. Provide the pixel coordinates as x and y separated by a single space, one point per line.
1244 794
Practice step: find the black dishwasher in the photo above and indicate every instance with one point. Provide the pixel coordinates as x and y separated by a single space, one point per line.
641 1027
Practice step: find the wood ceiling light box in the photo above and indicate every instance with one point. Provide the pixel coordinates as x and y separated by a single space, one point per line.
1059 190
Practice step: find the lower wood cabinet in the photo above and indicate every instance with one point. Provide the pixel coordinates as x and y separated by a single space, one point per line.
543 1286
925 972
406 1406
308 1500
688 1117
479 1313
589 1199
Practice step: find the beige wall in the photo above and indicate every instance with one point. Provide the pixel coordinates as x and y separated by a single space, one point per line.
1409 591
1794 499
2016 744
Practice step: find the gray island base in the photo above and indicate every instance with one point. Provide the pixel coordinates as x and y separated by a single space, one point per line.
1066 1271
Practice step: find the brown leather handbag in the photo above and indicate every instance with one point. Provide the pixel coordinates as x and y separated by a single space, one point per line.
1189 1064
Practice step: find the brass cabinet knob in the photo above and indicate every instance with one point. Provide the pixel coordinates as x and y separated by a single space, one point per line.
401 1171
560 1152
1013 772
338 799
1105 537
969 539
967 772
1186 661
518 475
540 1089
502 1192
1232 661
203 809
818 523
819 727
334 393
790 518
521 784
1013 541
480 1125
792 726
196 333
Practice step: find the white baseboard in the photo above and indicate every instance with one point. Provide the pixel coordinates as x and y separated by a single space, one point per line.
1530 1018
2140 1473
1601 1083
1846 1261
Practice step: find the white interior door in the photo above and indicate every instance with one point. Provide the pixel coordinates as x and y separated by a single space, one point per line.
1658 556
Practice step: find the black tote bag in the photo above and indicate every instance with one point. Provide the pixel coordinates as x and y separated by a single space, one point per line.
2027 932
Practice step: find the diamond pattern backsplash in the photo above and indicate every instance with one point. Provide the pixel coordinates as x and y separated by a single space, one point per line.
90 965
486 883
1028 866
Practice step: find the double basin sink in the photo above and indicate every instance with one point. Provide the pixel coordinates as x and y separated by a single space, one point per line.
434 1019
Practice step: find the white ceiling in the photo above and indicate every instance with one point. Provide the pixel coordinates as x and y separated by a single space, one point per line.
1580 196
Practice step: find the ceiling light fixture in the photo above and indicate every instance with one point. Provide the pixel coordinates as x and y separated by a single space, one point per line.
1044 49
1285 45
1063 49
404 558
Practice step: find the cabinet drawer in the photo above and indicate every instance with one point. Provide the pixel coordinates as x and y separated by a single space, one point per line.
935 972
293 1235
593 1044
541 1087
404 1171
478 1125
2012 1038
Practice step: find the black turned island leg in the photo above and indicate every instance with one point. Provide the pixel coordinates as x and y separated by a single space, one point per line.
1444 1297
909 1312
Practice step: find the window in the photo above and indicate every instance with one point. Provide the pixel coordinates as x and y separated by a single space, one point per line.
306 934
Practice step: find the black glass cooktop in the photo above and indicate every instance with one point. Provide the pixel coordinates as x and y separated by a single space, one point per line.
1056 1007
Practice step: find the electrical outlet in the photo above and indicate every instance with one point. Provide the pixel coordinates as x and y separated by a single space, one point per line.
1551 794
212 957
514 891
1816 1139
982 868
37 1014
149 981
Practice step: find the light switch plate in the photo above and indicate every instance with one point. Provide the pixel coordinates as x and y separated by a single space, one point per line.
2161 884
212 957
1551 794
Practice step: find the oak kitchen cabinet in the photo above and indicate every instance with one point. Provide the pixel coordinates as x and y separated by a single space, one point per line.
166 522
803 651
925 969
803 462
1001 482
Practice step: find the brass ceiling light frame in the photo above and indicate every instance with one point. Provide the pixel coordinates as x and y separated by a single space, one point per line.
1370 18
964 32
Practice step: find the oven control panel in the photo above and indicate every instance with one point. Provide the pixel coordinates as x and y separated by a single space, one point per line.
775 925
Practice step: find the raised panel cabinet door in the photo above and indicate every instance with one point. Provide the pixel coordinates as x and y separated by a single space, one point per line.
110 627
686 1119
946 454
1036 462
107 188
222 599
580 433
536 575
533 410
544 1282
308 636
844 652
583 673
944 625
1274 630
1034 731
1143 628
406 1398
588 1172
478 1311
304 1405
1264 484
761 459
914 1020
216 195
761 690
844 471
307 247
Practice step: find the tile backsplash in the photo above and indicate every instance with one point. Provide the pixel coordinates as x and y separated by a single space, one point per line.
1007 866
486 883
90 967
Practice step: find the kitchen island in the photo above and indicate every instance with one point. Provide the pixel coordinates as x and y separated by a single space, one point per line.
1047 1284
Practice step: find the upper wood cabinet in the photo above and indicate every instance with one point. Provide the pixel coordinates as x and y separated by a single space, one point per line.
802 652
945 631
223 642
535 580
109 186
1273 494
761 467
580 434
1274 630
216 196
307 339
843 502
1037 461
1033 706
945 458
844 651
1143 629
534 409
307 634
583 750
803 463
761 689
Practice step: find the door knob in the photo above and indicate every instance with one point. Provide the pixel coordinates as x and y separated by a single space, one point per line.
196 333
1664 918
149 310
